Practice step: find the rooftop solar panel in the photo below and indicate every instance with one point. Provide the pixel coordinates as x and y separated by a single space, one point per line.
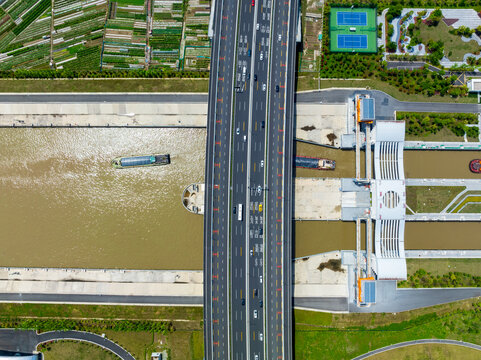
367 109
369 292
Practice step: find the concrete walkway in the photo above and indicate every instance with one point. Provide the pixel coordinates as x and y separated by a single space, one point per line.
443 254
471 184
434 145
443 217
418 342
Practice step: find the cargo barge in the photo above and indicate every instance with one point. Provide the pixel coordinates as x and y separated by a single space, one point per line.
135 161
314 163
475 166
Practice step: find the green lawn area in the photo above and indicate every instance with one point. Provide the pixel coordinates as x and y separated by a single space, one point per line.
105 85
442 135
454 47
76 350
443 266
430 199
310 82
429 352
472 208
472 199
344 336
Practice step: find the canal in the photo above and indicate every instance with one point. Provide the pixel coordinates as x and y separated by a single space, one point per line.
63 205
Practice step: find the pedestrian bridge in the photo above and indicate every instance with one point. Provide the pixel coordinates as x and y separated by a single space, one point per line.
389 200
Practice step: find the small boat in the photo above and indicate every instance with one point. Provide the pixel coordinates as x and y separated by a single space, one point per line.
314 163
135 161
475 166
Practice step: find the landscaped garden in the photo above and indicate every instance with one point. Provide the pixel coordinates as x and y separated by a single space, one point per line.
430 199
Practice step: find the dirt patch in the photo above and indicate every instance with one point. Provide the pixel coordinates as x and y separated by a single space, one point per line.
308 128
332 264
331 137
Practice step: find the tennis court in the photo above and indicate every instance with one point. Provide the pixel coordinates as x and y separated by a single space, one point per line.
353 30
352 41
351 18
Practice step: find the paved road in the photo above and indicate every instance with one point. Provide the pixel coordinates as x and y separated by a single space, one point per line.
418 342
385 104
26 341
278 198
326 304
88 337
217 211
102 299
104 98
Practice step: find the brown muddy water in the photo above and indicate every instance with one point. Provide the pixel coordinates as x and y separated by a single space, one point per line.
63 205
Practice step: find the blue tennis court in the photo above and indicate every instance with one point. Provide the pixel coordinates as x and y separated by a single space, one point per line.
352 41
352 18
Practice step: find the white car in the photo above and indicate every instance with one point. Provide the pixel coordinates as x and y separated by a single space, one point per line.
261 338
264 87
279 38
257 26
262 163
262 56
255 314
237 131
260 279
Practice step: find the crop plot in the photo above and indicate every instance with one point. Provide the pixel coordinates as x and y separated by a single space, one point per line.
24 34
77 33
125 35
196 49
167 22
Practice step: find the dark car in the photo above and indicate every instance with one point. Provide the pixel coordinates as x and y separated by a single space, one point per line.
255 77
248 76
249 52
260 303
234 210
263 124
255 292
261 231
277 88
243 301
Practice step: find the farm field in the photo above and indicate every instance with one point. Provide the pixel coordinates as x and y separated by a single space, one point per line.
104 34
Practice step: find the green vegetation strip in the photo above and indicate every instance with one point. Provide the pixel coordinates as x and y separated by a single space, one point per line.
422 124
429 351
107 85
68 349
431 199
344 336
468 199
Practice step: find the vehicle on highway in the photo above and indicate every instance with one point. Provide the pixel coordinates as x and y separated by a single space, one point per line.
261 303
257 26
263 87
237 131
256 357
259 189
263 124
234 210
262 165
279 38
277 88
261 231
255 314
253 2
261 337
251 252
244 69
245 138
255 77
248 76
261 56
239 214
243 301
260 279
256 292
249 52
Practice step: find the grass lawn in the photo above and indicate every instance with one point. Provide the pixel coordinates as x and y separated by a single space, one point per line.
344 336
310 82
76 350
469 199
454 47
429 352
430 199
442 135
443 266
106 85
472 208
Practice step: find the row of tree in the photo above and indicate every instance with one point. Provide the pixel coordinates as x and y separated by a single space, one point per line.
104 74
